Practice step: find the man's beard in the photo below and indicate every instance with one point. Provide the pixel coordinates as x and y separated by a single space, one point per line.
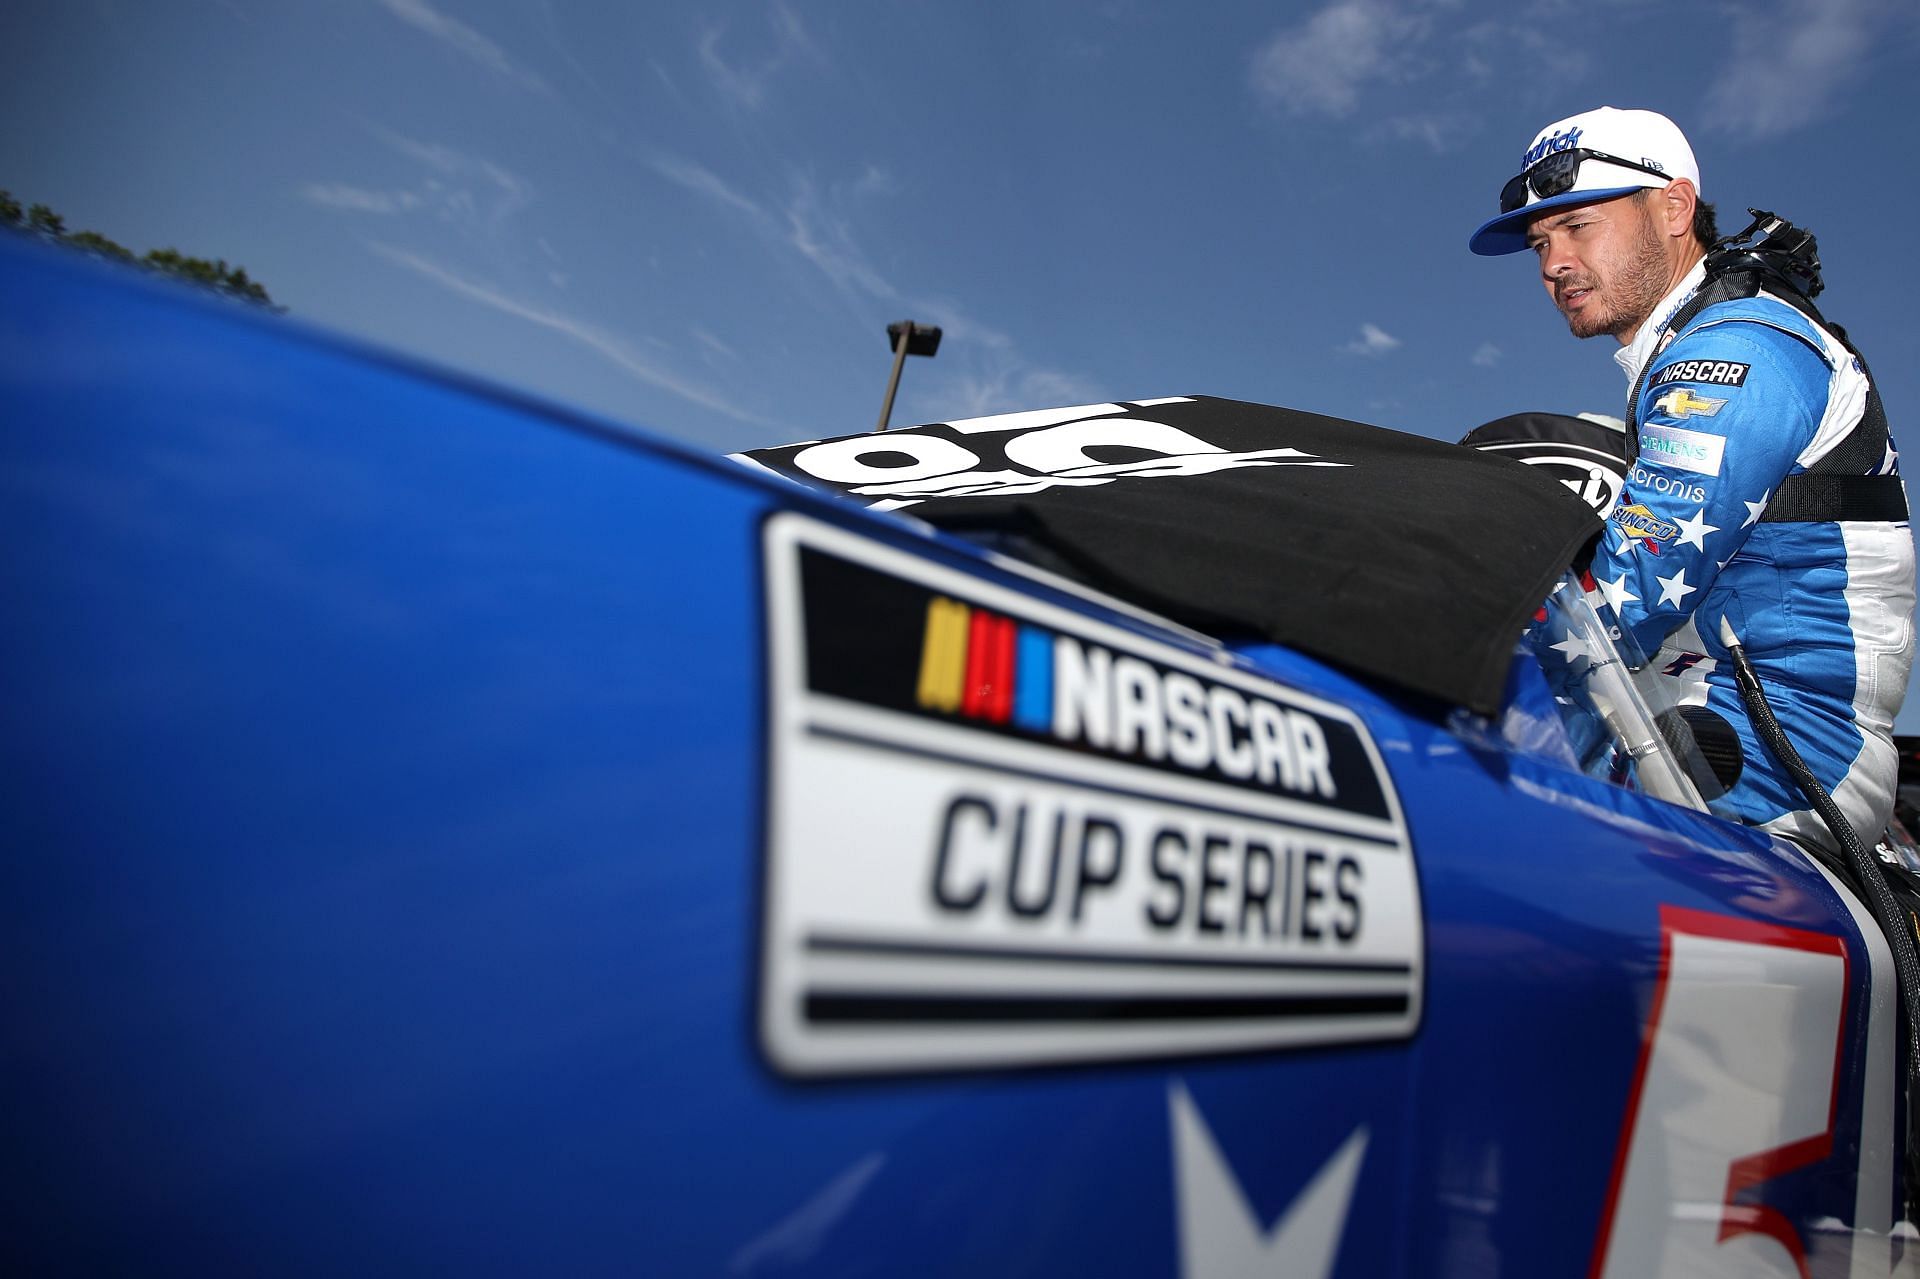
1631 295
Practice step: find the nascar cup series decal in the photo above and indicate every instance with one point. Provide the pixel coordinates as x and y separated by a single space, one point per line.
1002 834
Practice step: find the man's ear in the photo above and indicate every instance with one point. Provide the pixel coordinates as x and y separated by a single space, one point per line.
1676 203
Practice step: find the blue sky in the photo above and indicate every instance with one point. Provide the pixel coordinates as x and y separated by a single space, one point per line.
699 217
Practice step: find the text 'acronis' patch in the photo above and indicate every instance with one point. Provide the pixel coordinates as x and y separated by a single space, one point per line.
1641 478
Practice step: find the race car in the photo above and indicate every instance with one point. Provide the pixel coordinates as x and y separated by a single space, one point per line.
444 831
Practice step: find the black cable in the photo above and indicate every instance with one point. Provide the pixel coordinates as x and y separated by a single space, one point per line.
1868 880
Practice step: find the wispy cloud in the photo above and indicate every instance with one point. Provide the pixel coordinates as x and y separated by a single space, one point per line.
1490 49
1545 13
997 381
508 187
555 276
470 193
1320 66
1348 56
1486 355
811 222
980 369
822 234
714 344
704 181
745 79
1790 60
610 346
338 195
1439 131
1373 340
562 46
462 39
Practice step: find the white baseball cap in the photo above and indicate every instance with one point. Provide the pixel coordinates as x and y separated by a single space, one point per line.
1608 152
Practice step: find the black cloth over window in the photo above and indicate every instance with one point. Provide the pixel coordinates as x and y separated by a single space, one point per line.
1590 459
1405 559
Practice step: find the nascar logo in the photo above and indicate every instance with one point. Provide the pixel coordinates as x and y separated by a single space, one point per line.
968 664
980 665
1717 372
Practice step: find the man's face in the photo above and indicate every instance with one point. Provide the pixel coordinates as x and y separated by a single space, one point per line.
1603 264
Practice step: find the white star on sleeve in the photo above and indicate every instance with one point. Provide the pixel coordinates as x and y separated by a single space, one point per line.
1695 530
1673 590
1754 509
1573 648
1618 596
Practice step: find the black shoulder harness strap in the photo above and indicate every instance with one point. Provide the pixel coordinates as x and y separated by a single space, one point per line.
1838 486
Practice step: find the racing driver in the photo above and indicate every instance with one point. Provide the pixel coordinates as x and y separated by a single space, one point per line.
1763 486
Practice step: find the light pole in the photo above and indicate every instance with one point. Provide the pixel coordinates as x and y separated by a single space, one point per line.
905 338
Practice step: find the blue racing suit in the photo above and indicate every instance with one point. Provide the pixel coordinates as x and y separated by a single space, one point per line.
1748 392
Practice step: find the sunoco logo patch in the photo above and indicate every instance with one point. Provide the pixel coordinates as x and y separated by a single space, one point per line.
1636 521
1001 833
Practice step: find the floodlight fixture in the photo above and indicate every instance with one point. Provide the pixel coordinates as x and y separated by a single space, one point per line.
905 338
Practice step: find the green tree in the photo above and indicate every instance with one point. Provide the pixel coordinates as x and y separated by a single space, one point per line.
39 220
44 220
215 274
94 242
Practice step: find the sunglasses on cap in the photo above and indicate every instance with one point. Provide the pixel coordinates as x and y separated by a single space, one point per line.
1555 175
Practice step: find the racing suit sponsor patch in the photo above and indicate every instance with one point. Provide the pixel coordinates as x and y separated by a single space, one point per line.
1695 451
1641 477
1710 372
1682 403
1639 523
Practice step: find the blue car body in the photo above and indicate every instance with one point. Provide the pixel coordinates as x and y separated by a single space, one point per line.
389 799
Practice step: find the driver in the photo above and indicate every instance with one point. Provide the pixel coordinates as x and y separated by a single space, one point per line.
1762 484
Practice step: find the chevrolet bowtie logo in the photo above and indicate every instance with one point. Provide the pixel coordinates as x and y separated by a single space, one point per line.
1683 404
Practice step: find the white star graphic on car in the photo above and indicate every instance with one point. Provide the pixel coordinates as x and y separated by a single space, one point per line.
1675 589
1755 508
1618 596
1695 530
1219 1233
